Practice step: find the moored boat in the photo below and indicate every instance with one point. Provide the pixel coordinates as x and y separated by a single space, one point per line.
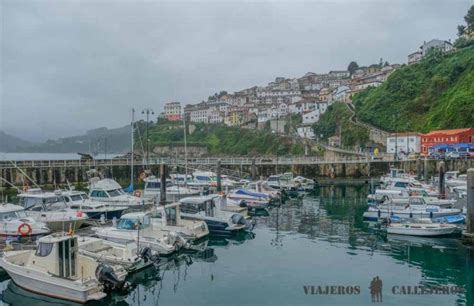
56 269
15 222
422 228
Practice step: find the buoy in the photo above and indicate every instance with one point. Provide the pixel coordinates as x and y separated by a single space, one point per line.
24 229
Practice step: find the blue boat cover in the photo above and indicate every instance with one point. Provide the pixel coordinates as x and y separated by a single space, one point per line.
251 193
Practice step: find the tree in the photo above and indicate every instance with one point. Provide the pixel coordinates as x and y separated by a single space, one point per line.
386 64
461 30
352 67
469 18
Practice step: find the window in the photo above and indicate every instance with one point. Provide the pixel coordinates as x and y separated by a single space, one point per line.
44 249
98 194
127 224
114 193
77 197
171 216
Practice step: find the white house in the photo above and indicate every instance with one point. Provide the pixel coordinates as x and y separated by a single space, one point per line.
215 116
306 132
404 143
311 117
199 115
341 93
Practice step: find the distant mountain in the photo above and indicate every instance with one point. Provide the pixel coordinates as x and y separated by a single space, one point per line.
9 143
98 140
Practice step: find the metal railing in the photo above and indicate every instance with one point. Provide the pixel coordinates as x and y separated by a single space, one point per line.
230 161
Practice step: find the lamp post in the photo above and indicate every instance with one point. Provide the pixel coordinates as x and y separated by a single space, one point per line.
395 155
147 111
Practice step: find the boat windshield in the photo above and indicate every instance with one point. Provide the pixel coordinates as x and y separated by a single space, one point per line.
6 216
28 202
44 249
171 215
152 185
128 224
76 197
21 214
114 193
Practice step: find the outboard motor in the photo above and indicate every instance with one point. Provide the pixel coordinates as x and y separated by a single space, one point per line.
243 203
238 219
107 277
148 255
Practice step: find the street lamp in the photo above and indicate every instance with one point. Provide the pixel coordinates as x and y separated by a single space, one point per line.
147 111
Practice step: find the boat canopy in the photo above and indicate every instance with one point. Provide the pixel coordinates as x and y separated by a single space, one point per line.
251 193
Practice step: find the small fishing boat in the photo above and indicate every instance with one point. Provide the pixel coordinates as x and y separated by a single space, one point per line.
374 213
111 253
168 218
422 227
152 190
79 201
137 228
56 269
220 222
50 208
15 222
253 200
110 192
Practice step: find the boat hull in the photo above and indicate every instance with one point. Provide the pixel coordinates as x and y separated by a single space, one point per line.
53 287
109 215
422 232
59 226
376 215
144 242
218 228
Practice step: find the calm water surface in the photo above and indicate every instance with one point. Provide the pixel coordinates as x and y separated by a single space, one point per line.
319 241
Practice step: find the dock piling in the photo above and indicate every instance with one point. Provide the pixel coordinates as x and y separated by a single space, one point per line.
218 174
163 171
469 233
442 187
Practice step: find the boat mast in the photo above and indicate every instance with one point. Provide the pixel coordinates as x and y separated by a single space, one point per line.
132 156
185 152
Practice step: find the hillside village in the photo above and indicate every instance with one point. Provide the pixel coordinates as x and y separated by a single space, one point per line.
308 96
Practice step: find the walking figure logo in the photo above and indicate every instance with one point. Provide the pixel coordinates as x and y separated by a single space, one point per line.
376 286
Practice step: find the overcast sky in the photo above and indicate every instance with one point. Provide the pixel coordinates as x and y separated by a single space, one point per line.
69 66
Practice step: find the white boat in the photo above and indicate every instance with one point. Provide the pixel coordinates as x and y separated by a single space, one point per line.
220 222
304 184
112 253
168 218
50 208
15 222
152 190
137 228
374 213
79 201
110 192
252 199
282 181
421 200
423 228
56 269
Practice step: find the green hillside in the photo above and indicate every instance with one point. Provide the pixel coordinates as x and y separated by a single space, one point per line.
336 117
223 140
437 93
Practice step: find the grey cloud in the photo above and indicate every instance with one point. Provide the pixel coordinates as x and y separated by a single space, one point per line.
68 66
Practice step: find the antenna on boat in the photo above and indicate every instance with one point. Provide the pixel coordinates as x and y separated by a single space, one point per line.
10 184
132 157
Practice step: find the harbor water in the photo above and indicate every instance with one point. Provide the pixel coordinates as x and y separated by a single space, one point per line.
314 251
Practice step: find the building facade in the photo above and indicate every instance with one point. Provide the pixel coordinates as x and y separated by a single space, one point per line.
172 111
455 136
404 143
